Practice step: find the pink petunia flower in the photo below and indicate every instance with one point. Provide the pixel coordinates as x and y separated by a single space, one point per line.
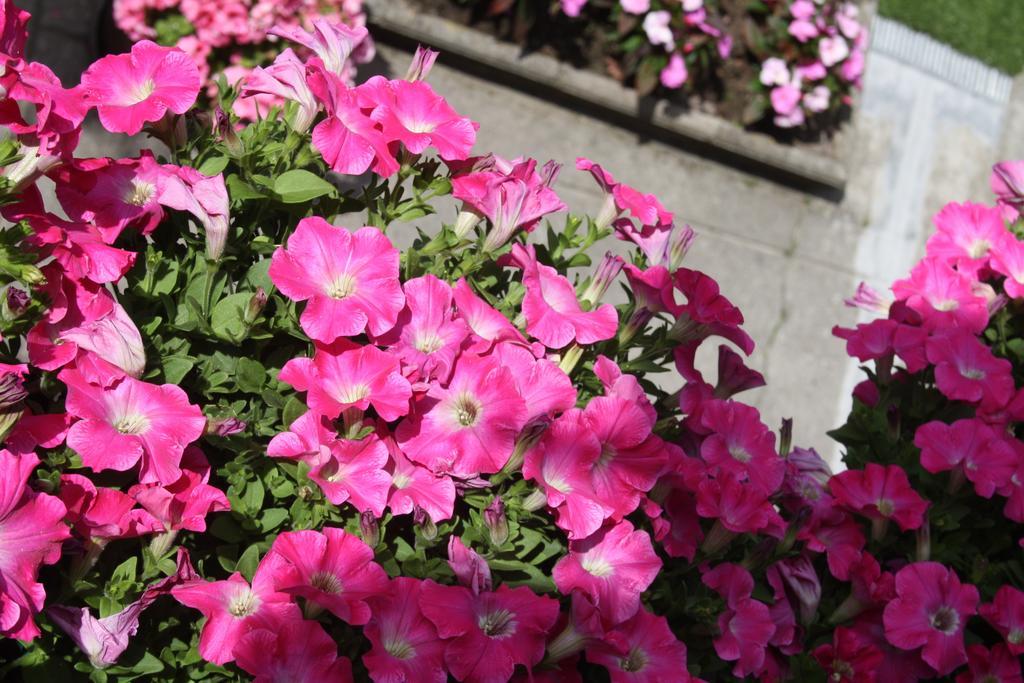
930 612
849 658
205 197
612 567
621 198
286 79
129 90
414 486
545 388
334 570
741 506
675 73
353 472
642 649
78 248
1007 183
997 665
416 116
740 443
469 426
128 422
966 235
233 607
345 376
489 634
185 503
1006 614
427 336
967 370
707 312
31 532
114 338
969 446
880 492
553 313
943 296
404 643
746 626
561 462
350 280
302 652
332 42
99 514
1007 258
469 567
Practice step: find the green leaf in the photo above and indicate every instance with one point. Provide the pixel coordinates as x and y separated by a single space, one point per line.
298 185
175 368
213 166
250 375
238 189
272 518
248 562
293 409
228 317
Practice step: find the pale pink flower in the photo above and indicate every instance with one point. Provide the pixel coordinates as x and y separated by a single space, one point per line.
233 607
553 312
405 644
572 8
31 532
302 652
129 422
422 63
130 90
635 6
286 79
469 426
345 376
349 279
774 71
612 568
817 100
413 114
333 569
833 49
332 42
659 32
205 197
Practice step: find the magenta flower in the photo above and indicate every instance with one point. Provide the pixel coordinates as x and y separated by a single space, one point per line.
740 443
348 139
354 472
416 116
427 335
553 313
621 198
233 607
205 197
1007 258
185 503
98 514
966 236
561 463
468 426
880 492
706 312
741 506
849 658
675 73
405 645
31 532
114 338
470 568
970 446
309 436
302 652
78 248
489 634
967 370
334 570
349 279
415 486
1007 183
345 376
1006 614
285 78
642 649
997 665
612 567
545 388
930 612
487 324
332 42
943 296
128 422
746 626
129 90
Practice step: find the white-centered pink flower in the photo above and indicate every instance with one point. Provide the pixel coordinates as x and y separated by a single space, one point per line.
130 90
774 71
413 114
332 42
350 280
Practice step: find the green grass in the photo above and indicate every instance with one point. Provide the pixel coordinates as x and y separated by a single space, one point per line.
991 30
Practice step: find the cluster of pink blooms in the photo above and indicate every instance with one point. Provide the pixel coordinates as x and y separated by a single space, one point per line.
830 44
226 33
908 619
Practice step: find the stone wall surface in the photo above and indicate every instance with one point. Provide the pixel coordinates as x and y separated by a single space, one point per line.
786 257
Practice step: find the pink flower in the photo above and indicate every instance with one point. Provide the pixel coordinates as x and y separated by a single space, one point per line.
79 248
930 611
545 388
468 426
1007 258
348 139
943 296
332 42
746 626
620 197
572 8
785 99
1006 614
427 335
706 312
100 514
803 30
349 279
354 472
487 324
333 569
817 100
833 49
345 376
741 506
635 6
774 71
642 649
129 90
127 422
966 369
309 436
740 443
416 116
966 235
185 503
970 446
880 492
301 652
422 63
31 531
405 644
553 314
1007 182
470 568
561 463
990 666
612 568
206 198
233 607
414 486
850 658
489 634
675 74
14 33
659 32
286 78
114 338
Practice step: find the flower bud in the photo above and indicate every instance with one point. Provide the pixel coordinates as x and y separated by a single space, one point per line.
496 521
225 426
15 302
424 523
226 132
611 266
255 306
369 528
422 63
12 402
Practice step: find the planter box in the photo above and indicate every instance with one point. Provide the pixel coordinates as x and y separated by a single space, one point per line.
709 136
